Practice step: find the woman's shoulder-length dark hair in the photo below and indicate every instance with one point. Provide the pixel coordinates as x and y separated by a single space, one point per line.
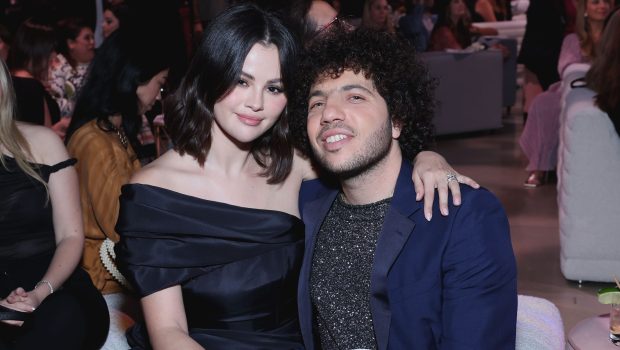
121 64
213 73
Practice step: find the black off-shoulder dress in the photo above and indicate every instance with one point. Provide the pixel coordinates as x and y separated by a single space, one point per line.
237 267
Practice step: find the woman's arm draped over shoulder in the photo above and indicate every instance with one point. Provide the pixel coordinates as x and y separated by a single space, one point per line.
430 171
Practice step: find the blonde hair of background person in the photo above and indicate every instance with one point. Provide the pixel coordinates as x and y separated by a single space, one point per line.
374 8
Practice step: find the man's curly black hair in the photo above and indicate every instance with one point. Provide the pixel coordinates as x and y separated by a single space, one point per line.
389 62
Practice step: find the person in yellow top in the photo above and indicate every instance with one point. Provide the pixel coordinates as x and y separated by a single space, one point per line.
125 80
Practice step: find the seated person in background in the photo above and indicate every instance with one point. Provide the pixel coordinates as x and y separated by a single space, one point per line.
32 50
376 274
454 29
540 138
123 83
48 300
418 22
604 74
376 16
76 48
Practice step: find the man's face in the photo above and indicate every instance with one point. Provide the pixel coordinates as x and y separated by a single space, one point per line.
349 127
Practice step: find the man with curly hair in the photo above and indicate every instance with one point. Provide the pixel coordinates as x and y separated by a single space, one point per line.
376 274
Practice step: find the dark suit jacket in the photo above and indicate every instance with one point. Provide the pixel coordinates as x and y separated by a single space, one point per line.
445 284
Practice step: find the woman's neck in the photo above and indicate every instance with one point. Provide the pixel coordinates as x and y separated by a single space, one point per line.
228 155
596 29
116 120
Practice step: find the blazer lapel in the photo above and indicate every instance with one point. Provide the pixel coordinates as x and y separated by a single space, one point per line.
314 213
394 234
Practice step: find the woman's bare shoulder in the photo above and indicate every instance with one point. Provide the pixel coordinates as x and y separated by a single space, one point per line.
170 167
45 146
303 167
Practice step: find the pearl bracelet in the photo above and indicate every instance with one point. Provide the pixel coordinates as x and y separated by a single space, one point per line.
45 282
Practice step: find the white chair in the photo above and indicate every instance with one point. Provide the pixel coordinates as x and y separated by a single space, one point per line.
539 325
124 311
588 191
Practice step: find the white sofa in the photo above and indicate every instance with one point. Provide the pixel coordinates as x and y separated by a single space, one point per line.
588 190
469 93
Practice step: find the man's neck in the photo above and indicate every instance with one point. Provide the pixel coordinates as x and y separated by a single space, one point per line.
376 183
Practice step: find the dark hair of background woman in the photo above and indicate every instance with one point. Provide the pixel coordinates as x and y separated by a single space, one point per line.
214 72
32 46
120 11
121 64
460 28
69 29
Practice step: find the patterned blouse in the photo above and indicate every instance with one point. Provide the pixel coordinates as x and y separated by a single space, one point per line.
65 81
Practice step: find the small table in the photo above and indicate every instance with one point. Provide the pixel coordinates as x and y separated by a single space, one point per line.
591 334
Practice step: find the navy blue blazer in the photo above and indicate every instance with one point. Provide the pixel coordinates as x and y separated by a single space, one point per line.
445 284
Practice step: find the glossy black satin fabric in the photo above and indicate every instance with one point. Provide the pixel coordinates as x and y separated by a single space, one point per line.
238 267
26 225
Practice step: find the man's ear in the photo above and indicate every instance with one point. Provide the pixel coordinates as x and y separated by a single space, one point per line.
396 129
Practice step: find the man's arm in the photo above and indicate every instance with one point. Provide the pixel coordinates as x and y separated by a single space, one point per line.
480 278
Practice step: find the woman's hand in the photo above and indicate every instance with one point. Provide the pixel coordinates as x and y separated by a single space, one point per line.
26 301
430 172
20 300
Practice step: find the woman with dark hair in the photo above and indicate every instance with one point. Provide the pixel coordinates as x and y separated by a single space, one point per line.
113 16
47 299
76 49
604 74
124 80
210 232
33 48
454 29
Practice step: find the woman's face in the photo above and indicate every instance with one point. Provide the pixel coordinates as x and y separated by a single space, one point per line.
150 91
379 12
82 49
110 23
256 101
597 10
457 8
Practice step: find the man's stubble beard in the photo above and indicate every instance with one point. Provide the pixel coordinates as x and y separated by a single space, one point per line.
364 160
